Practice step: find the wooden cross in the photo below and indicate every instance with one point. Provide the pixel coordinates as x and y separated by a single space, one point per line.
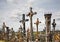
12 33
37 23
7 33
54 24
30 14
4 26
23 22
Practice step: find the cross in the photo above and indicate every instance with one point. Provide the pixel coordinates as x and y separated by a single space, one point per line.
37 23
7 33
28 34
12 33
20 29
23 22
54 25
30 14
4 26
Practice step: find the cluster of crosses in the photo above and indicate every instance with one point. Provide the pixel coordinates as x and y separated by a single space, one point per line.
30 14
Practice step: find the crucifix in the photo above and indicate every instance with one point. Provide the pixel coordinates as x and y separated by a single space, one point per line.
37 23
23 22
30 14
54 25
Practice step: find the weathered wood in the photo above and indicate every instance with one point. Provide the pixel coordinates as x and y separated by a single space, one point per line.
48 25
30 14
23 22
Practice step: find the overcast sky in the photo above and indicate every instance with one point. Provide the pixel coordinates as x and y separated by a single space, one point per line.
11 12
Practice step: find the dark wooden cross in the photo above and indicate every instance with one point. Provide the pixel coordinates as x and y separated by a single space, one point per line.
54 24
30 14
23 22
37 23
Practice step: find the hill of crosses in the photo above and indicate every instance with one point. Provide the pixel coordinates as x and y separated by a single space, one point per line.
8 34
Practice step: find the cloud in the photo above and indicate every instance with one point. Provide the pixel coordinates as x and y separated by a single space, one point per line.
12 10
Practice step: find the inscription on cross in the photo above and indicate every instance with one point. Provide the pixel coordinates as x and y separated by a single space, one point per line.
23 22
37 23
30 14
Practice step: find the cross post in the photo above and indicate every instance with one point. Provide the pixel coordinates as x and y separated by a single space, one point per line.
37 23
23 22
30 14
54 25
7 34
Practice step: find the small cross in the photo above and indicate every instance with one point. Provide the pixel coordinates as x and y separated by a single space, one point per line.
31 13
37 23
54 24
7 33
4 26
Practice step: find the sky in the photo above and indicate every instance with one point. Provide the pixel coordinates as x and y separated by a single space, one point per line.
11 12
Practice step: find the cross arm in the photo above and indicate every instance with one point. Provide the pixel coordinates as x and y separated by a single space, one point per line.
24 20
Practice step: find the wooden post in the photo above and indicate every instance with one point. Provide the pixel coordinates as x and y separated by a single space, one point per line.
28 35
48 25
30 14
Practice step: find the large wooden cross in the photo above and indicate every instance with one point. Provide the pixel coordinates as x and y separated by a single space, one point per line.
37 23
30 14
23 22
